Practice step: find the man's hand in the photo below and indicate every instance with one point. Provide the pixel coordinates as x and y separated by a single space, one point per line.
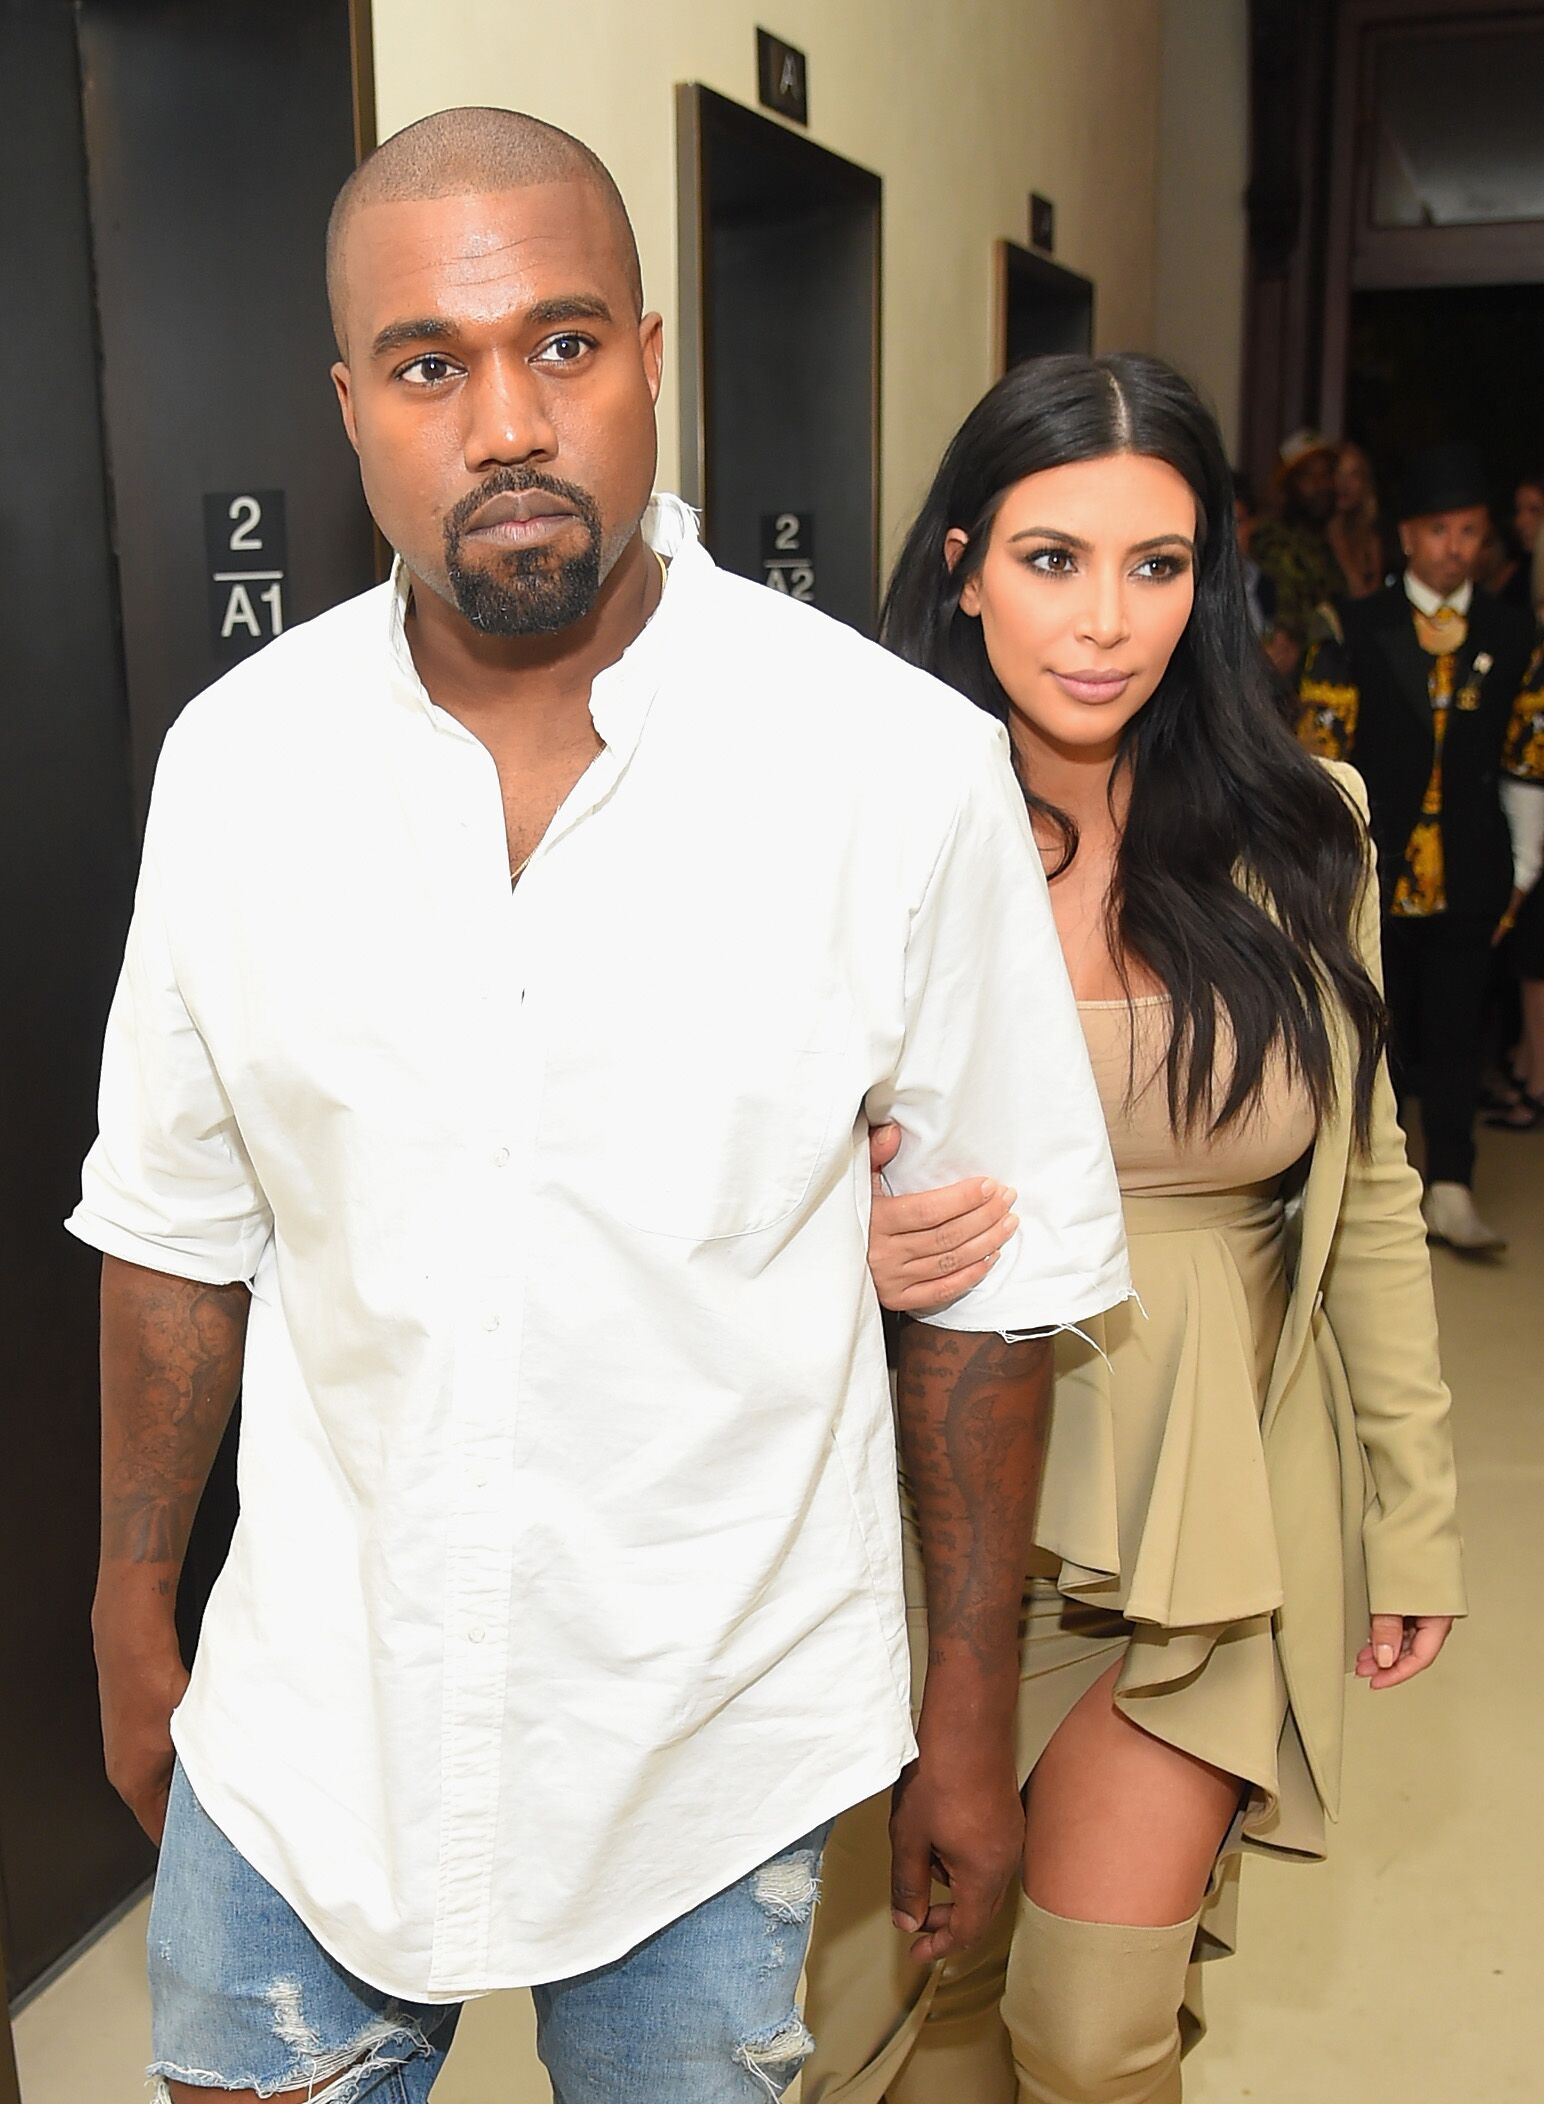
141 1680
957 1820
1508 920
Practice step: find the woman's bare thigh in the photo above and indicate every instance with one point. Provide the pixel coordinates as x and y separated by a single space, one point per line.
1122 1827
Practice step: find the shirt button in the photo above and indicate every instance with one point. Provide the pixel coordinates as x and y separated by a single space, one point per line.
501 1159
490 1322
475 1636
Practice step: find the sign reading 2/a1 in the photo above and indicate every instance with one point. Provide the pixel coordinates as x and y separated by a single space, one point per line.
245 546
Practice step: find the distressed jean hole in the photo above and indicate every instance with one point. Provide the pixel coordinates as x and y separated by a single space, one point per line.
788 1888
774 2057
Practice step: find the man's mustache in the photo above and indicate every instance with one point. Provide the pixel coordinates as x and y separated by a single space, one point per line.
515 482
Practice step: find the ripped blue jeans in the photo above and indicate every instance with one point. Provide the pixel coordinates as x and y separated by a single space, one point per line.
243 1997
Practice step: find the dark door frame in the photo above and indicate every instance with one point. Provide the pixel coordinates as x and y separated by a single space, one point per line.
1010 260
698 108
1359 257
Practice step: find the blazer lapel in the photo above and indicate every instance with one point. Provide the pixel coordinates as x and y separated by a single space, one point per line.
1408 662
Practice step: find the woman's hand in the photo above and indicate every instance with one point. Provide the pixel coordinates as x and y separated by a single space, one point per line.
1400 1646
935 1245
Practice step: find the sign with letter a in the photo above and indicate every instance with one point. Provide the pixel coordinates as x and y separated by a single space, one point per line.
784 76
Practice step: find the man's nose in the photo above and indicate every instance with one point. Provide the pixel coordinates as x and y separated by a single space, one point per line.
505 419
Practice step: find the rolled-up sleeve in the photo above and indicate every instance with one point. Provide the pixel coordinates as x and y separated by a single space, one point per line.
168 1184
993 1077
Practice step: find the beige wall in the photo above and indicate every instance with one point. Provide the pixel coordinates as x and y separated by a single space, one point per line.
1203 160
963 106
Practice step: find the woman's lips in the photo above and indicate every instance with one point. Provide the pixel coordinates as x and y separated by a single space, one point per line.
1093 686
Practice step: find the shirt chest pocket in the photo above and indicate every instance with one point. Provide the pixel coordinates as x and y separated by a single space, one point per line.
701 1104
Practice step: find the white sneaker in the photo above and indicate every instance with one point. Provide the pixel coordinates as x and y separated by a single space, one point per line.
1448 1210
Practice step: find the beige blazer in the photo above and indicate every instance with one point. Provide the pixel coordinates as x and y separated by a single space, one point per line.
1356 1411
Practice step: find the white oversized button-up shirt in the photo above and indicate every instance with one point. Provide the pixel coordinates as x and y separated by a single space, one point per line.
566 1585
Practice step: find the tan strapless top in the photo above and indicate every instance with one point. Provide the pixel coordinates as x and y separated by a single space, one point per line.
1127 1049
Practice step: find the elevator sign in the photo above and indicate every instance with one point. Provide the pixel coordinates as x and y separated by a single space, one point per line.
783 77
245 547
788 553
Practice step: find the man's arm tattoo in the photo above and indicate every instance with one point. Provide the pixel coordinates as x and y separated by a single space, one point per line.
973 1419
171 1366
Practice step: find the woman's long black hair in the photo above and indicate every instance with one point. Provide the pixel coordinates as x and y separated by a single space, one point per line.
1241 862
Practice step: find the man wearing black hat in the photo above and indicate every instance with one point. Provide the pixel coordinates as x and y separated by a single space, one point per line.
1419 688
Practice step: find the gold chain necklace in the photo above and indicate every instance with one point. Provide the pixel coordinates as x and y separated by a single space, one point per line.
519 868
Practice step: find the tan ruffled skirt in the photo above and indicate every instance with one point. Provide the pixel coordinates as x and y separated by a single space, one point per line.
1157 1541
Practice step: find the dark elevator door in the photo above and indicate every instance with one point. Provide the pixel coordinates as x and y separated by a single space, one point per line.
170 167
780 353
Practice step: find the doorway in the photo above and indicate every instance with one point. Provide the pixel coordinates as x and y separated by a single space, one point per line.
1040 307
780 354
1427 366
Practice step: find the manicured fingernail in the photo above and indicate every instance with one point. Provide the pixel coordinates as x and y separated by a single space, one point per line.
906 1923
989 1189
1012 1221
1384 1655
1011 1196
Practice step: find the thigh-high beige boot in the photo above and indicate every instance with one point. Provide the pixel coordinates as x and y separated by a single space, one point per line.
1093 2009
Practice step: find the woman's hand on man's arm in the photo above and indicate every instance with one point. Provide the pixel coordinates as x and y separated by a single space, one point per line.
932 1246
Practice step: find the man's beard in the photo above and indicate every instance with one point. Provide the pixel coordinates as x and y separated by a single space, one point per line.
524 591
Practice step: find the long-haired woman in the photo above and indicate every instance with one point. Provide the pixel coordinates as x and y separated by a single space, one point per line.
1249 1480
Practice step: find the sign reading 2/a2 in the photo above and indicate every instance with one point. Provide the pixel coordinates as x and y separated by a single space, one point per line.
245 546
788 552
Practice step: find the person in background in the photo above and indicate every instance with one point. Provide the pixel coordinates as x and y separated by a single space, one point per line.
1424 687
1527 520
1267 1438
1355 530
1283 650
1293 548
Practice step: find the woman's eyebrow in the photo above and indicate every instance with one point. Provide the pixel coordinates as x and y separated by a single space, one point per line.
1071 540
1049 533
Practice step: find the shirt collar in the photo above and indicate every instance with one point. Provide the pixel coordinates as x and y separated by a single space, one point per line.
1426 601
620 695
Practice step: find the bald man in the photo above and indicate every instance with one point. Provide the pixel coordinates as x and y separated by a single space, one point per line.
520 952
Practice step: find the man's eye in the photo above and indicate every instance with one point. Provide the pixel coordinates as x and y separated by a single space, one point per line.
428 370
564 350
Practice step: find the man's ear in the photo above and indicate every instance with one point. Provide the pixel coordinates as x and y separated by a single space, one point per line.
956 541
342 381
651 343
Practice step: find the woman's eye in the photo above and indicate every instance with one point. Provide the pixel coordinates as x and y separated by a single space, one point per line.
1052 562
564 350
428 370
1162 567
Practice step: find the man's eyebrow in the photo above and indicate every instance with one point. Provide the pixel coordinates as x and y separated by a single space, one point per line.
427 328
546 314
569 306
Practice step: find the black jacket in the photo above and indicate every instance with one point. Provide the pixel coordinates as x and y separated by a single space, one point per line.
1391 744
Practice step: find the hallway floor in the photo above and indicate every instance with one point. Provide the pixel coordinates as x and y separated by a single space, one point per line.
1406 1970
